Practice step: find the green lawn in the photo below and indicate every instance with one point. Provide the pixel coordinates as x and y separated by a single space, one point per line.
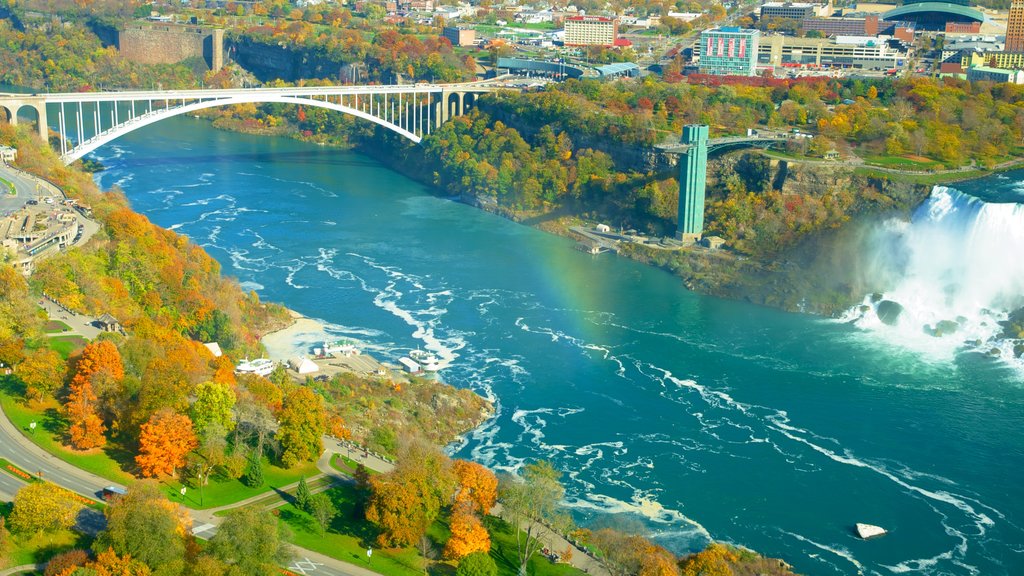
56 327
42 547
348 537
7 186
50 429
506 556
903 163
67 345
228 491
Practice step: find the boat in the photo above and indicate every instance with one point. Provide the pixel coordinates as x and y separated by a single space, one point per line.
428 361
259 366
342 347
866 531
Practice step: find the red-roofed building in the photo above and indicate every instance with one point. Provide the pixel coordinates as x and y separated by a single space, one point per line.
591 31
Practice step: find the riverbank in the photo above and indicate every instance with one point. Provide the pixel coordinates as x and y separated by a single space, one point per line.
391 403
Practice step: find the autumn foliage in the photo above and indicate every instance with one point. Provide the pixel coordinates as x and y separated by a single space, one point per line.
163 443
43 507
100 363
468 533
477 486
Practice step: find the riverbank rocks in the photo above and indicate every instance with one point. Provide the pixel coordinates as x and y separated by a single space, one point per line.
889 312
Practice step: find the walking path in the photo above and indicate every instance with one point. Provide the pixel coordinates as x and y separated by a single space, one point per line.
23 568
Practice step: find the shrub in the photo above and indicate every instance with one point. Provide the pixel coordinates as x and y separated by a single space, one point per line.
477 564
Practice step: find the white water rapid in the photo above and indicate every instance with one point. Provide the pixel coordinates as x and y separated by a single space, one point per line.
953 273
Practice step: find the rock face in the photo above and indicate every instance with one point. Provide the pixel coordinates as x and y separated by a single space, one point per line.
866 531
889 312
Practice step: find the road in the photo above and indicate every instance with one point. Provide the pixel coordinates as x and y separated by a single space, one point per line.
26 188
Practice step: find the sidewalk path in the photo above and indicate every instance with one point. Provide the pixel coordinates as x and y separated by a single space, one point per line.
23 568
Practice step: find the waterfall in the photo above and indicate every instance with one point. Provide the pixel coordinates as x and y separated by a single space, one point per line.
953 273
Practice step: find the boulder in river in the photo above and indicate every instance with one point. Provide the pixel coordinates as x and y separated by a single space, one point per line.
889 312
945 328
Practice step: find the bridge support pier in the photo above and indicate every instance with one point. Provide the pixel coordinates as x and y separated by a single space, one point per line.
13 106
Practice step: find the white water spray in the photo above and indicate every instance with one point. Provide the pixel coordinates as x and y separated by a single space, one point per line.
955 271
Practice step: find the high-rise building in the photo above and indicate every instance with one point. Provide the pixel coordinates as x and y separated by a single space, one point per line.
692 183
729 50
1015 27
590 31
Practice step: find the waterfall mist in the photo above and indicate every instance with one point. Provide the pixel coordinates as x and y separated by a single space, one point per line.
952 274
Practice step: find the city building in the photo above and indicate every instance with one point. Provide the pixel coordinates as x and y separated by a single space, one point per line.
692 183
954 49
791 10
459 36
1015 27
975 73
842 51
729 50
8 154
590 31
1005 60
963 27
617 70
868 25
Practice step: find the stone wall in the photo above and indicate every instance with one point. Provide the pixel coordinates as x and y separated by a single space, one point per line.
171 43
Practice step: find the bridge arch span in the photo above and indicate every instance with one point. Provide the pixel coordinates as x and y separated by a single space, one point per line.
158 114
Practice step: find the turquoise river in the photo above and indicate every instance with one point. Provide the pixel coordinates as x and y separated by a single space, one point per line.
703 418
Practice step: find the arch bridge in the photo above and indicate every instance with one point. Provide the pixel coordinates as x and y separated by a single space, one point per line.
87 120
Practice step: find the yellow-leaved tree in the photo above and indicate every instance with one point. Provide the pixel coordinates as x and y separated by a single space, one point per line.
43 507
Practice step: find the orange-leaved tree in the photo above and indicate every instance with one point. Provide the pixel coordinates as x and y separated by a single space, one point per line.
163 443
395 507
468 533
477 485
100 361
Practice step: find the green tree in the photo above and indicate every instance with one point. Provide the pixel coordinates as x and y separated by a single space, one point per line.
303 425
477 564
302 495
42 507
530 502
322 510
213 405
251 540
253 476
147 526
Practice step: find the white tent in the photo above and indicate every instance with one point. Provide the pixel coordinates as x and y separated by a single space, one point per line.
303 365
